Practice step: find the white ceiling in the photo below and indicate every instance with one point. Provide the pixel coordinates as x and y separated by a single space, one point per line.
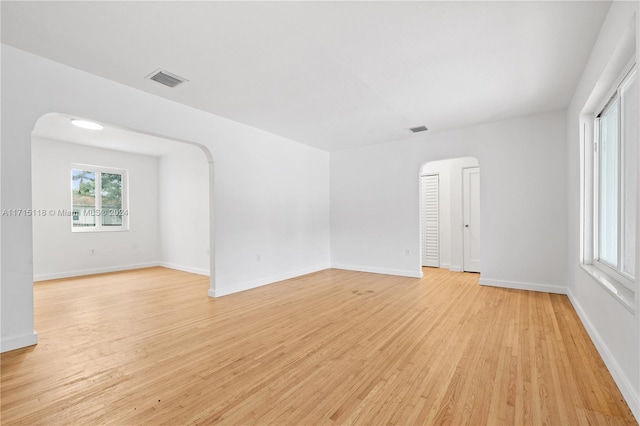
58 127
328 74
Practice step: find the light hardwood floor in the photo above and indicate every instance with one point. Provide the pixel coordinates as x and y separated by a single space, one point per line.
334 347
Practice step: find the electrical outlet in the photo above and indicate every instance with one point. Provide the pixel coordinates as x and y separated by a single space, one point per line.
93 252
407 252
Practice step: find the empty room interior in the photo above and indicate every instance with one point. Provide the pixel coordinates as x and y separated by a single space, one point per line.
312 213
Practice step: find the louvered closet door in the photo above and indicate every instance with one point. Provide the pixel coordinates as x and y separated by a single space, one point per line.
429 218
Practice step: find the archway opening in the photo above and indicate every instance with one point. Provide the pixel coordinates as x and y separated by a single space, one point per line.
160 188
450 214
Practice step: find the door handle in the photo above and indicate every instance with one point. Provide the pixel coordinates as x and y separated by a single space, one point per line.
466 226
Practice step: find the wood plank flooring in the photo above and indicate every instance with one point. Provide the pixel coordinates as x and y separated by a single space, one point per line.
334 347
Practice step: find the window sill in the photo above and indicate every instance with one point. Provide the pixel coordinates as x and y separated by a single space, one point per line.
618 290
97 230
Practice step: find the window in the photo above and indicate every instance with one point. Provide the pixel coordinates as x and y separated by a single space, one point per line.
98 199
615 182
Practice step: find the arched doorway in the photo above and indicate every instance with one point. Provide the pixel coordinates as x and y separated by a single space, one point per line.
449 214
54 137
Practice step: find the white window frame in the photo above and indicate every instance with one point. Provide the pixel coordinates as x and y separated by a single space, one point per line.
614 272
98 170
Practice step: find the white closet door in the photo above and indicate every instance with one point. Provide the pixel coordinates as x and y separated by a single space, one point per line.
429 218
471 214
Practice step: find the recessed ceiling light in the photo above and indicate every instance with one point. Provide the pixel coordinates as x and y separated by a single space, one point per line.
84 124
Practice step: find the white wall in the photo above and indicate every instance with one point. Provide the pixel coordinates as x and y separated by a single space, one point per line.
271 194
450 208
275 217
58 252
375 211
614 329
184 210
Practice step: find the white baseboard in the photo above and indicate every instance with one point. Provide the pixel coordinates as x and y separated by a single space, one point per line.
223 291
384 271
625 386
82 272
16 342
545 288
198 271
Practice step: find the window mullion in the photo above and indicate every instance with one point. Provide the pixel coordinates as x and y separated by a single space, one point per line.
619 179
98 199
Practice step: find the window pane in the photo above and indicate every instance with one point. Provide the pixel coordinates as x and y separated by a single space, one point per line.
83 194
608 190
630 114
111 193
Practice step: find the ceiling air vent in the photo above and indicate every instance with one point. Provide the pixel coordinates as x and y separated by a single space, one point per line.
166 78
419 129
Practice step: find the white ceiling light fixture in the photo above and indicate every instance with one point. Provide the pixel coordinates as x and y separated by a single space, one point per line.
86 124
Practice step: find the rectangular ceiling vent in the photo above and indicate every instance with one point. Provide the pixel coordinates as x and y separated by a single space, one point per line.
166 78
419 129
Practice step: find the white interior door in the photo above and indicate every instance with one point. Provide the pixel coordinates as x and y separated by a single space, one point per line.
471 217
430 221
